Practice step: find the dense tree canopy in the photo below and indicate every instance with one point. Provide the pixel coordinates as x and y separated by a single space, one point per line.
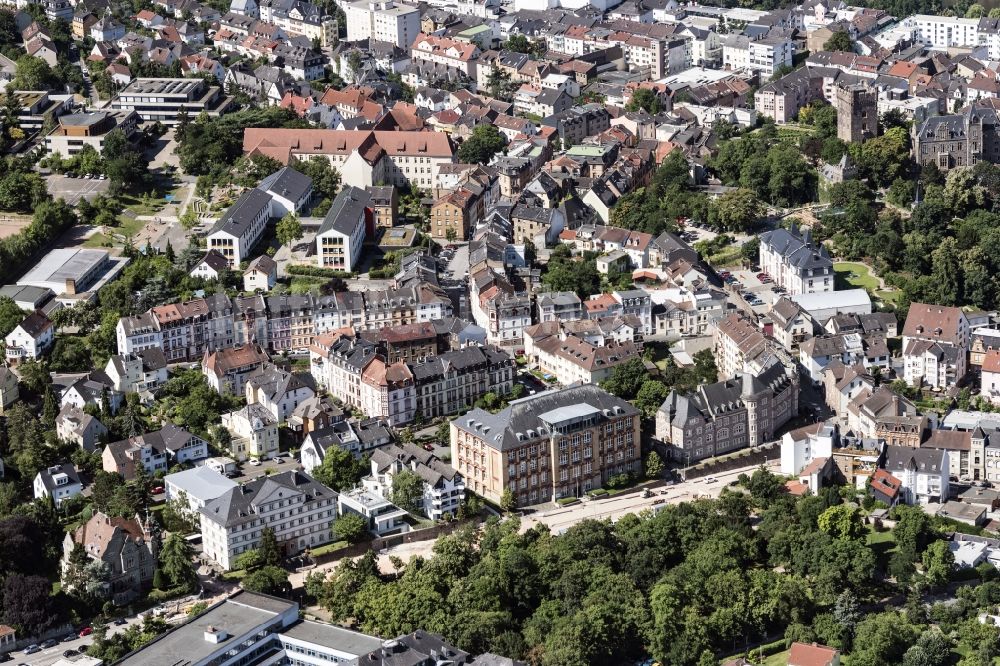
485 142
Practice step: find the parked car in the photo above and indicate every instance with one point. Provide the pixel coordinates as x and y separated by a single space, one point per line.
158 490
254 462
32 649
429 447
70 653
46 644
69 637
119 621
86 631
278 460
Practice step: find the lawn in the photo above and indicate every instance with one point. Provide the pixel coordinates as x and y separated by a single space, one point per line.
853 275
97 240
129 227
856 275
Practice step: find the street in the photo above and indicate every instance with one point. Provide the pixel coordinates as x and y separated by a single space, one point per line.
53 654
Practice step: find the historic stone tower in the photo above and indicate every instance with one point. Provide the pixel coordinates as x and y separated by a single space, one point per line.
857 112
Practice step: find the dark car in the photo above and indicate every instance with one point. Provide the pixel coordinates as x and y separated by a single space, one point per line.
69 637
45 645
5 657
119 621
70 653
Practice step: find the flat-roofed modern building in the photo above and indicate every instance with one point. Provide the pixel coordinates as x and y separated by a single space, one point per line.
163 99
73 275
91 128
252 628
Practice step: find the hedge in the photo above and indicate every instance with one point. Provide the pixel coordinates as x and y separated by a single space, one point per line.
316 271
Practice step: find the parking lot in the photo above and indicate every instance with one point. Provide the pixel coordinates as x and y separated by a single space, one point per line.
74 189
759 291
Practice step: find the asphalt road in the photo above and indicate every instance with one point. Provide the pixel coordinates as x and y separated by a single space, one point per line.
53 654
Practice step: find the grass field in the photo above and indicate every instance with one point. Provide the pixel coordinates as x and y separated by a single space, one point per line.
850 275
97 240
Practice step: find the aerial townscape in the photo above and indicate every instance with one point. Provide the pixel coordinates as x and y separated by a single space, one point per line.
499 333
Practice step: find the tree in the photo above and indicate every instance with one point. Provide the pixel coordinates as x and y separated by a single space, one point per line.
339 470
764 486
651 395
627 379
839 41
842 522
325 179
175 561
33 74
646 100
938 561
933 648
267 580
408 491
738 210
508 501
270 552
485 142
249 560
351 527
882 638
10 315
27 605
518 43
289 229
654 465
975 11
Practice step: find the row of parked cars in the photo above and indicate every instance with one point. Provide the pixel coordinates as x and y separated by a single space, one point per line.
52 642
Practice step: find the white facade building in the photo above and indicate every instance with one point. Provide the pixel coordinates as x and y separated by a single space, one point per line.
342 234
382 21
300 510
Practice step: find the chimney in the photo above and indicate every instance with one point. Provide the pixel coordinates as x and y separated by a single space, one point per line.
70 286
215 636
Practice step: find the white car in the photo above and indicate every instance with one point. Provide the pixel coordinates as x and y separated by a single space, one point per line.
255 462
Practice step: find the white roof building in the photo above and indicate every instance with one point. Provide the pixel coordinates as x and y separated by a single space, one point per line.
824 305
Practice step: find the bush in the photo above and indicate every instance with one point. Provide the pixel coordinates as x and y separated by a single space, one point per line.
316 271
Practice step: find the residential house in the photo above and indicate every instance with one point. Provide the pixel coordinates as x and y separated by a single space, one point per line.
923 473
227 369
278 391
9 392
313 414
31 339
804 654
153 451
935 346
261 274
129 546
318 442
300 510
382 517
795 263
443 487
77 426
140 372
211 266
254 433
58 482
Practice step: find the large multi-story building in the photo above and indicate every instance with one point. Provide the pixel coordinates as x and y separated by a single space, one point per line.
300 510
355 371
944 32
795 263
726 416
186 331
382 21
297 17
164 100
363 157
340 237
548 446
90 128
960 139
241 226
